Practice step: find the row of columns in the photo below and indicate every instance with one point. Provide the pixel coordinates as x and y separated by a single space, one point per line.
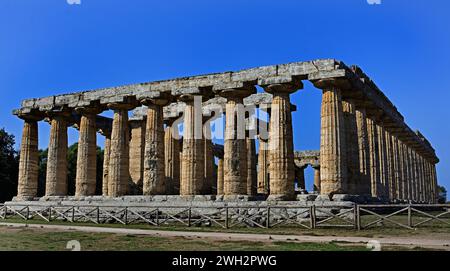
360 154
158 164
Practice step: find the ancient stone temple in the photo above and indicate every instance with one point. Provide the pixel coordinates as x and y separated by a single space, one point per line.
367 151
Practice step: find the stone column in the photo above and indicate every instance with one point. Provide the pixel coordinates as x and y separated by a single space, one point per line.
119 161
316 179
396 168
220 177
404 176
435 182
390 167
281 144
137 148
172 158
209 160
364 151
333 156
263 169
382 154
106 157
56 183
29 158
193 156
351 137
373 157
154 172
407 172
416 176
86 176
235 151
251 167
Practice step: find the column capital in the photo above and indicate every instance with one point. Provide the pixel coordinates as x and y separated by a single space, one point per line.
237 93
35 116
277 88
190 97
88 110
341 83
121 106
162 100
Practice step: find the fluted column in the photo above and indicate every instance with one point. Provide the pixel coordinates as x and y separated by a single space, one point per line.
154 172
364 151
382 154
404 175
281 144
220 177
29 158
209 160
351 137
172 158
396 168
435 182
119 161
373 157
390 166
106 157
263 170
137 148
316 186
407 172
56 183
416 176
235 150
333 156
193 156
251 167
86 176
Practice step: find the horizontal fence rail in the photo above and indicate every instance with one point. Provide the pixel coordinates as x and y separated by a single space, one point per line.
408 216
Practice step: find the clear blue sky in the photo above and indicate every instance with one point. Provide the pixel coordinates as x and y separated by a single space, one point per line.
49 47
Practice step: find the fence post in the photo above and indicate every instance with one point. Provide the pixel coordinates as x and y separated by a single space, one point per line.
73 214
268 217
226 217
49 213
98 214
157 216
358 217
189 216
5 212
126 215
28 213
409 215
312 215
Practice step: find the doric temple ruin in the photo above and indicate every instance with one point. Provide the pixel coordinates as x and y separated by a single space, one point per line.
367 151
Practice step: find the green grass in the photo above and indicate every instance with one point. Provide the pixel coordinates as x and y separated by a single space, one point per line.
41 240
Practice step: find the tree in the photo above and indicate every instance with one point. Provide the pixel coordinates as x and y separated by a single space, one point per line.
9 166
442 194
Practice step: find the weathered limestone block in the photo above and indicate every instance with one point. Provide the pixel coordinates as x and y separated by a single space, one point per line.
220 177
333 160
351 137
235 151
119 161
172 158
364 156
29 159
193 157
137 148
263 167
281 144
86 176
251 167
154 172
56 183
